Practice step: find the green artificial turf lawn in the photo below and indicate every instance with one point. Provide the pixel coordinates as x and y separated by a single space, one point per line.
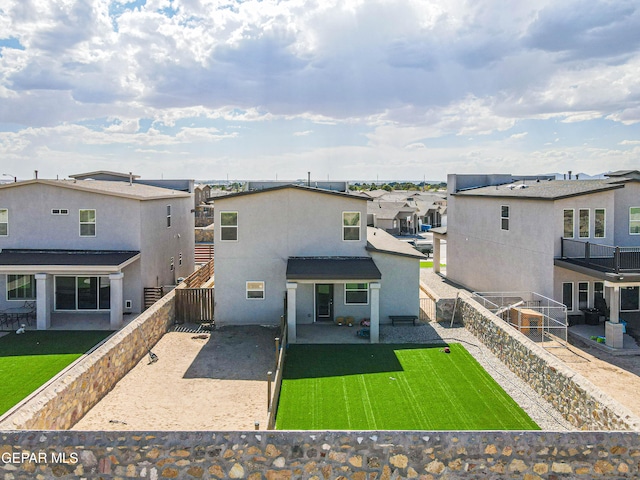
29 360
392 387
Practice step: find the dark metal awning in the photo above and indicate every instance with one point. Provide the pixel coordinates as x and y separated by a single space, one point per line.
19 260
332 268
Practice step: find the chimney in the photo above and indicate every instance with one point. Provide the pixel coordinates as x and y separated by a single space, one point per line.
35 174
569 174
130 178
577 174
308 179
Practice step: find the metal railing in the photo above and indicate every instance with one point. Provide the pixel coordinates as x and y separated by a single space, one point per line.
601 257
427 308
540 318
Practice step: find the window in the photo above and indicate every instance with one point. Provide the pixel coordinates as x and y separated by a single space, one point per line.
598 291
229 226
4 222
59 211
583 295
599 227
87 223
255 290
568 224
171 264
21 287
584 223
567 295
82 293
168 216
356 293
504 217
180 258
634 221
629 299
350 226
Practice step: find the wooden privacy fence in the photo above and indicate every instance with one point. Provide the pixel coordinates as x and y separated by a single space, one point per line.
194 305
200 276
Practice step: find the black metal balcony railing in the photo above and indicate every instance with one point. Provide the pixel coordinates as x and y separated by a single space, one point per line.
605 258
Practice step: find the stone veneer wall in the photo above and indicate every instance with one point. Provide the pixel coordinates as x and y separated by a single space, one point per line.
577 399
73 393
260 455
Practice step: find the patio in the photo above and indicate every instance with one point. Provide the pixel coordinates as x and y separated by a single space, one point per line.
88 321
328 333
585 332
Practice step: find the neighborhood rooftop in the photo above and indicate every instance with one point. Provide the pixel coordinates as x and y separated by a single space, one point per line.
544 189
295 186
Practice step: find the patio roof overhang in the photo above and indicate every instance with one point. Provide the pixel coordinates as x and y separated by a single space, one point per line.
33 261
330 269
618 278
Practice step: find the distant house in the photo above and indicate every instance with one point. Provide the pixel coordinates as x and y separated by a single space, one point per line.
83 247
570 240
310 249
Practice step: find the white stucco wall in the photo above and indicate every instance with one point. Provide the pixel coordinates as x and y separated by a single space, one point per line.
399 286
273 226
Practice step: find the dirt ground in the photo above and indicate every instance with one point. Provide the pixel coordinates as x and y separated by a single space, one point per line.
214 383
618 377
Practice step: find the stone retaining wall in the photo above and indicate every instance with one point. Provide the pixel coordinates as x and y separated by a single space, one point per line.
577 399
73 393
260 455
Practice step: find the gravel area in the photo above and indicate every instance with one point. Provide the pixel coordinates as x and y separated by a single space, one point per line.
536 407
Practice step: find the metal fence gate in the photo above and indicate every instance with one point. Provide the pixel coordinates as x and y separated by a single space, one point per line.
194 305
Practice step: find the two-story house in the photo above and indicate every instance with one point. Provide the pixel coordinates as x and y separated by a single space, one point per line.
571 240
83 247
310 249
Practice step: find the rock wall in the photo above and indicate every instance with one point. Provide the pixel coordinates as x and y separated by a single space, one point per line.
260 455
577 399
69 396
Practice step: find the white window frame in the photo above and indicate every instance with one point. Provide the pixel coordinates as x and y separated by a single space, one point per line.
6 213
580 232
504 217
94 223
604 222
168 216
635 221
59 211
234 227
573 302
573 222
586 292
257 286
20 299
365 289
346 226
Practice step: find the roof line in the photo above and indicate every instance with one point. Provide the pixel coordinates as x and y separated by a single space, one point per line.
293 186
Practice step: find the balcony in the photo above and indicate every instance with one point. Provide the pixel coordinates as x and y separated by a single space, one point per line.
603 258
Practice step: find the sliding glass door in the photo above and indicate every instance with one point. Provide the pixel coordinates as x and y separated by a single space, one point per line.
82 293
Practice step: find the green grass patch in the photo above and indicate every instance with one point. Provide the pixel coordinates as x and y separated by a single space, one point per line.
28 361
392 387
429 264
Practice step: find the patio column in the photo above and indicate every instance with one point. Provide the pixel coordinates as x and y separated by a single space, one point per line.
375 312
43 313
116 301
436 254
291 312
613 328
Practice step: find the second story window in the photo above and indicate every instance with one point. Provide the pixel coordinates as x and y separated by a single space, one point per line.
87 223
584 223
351 226
4 222
229 226
634 221
599 227
504 217
568 224
168 216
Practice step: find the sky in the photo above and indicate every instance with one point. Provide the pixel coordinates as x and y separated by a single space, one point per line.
344 89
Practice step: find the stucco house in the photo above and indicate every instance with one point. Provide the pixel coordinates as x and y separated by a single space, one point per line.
311 250
570 240
89 247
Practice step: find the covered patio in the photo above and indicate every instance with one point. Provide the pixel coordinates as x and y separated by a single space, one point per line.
68 285
321 289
